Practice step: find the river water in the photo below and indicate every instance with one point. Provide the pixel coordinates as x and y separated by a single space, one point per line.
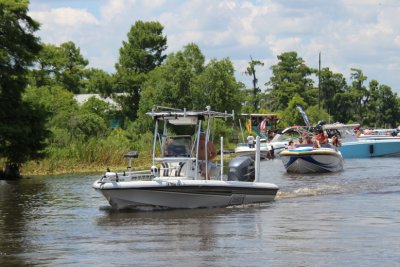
351 218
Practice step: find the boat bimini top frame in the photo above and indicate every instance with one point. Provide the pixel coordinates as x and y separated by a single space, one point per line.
180 118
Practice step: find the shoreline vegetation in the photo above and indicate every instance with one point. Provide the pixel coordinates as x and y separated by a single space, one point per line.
44 168
48 167
94 161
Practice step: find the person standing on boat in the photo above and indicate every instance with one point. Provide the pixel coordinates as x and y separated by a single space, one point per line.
211 154
250 141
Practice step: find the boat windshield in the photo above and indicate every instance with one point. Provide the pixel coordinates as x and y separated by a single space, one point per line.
345 131
290 134
178 146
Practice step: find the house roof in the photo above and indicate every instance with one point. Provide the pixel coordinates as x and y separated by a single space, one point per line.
82 98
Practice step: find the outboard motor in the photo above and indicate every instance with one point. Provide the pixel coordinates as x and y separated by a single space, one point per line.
241 169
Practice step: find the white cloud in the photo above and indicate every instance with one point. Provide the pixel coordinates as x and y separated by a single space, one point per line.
64 24
64 17
348 33
279 46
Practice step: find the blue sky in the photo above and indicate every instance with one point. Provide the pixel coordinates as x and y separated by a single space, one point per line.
363 34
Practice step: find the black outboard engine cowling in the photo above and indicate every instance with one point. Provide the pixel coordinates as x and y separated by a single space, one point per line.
241 169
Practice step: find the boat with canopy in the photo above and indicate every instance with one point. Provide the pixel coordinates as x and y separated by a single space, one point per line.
174 179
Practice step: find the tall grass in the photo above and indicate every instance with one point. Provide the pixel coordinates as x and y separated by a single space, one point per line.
96 154
93 155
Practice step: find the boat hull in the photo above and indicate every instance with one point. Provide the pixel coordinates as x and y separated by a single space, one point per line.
312 160
371 148
184 193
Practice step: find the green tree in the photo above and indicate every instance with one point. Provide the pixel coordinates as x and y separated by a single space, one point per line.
371 105
251 71
331 84
344 103
316 114
138 56
56 100
291 115
63 65
99 82
86 124
184 82
22 132
48 65
218 88
99 107
388 107
68 121
72 69
359 92
61 107
290 76
171 84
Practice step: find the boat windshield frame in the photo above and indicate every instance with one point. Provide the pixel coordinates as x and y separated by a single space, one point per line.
346 131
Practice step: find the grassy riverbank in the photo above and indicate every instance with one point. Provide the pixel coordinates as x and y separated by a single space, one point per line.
52 167
67 166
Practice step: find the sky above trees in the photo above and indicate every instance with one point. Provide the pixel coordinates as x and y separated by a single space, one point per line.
363 34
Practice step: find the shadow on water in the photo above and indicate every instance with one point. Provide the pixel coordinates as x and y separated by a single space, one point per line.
112 216
184 233
18 201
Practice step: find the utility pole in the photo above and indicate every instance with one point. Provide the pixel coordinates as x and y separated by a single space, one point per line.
319 81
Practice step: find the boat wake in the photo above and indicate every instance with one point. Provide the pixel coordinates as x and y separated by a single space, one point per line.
310 191
356 187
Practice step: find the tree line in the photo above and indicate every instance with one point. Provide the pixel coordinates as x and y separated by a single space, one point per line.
41 121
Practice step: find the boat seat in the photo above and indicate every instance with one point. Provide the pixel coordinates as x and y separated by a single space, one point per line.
164 169
168 170
178 171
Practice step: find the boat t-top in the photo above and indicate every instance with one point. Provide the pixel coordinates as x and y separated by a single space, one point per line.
175 180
